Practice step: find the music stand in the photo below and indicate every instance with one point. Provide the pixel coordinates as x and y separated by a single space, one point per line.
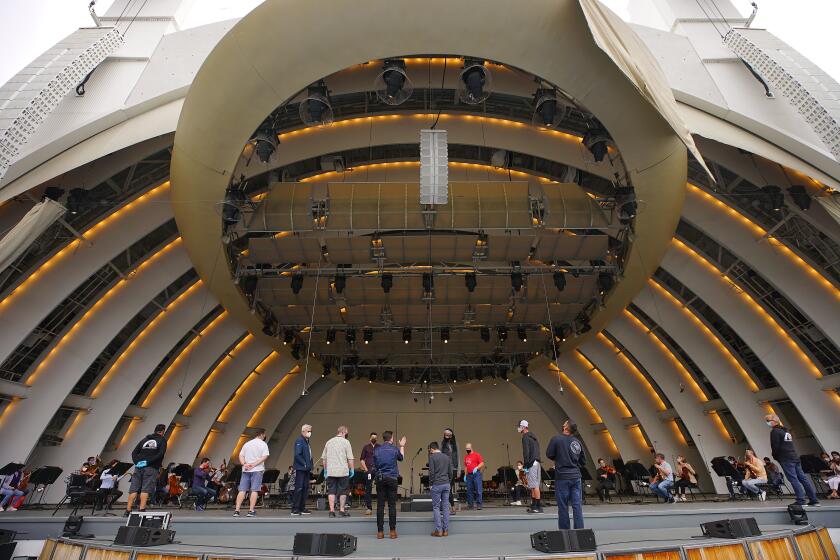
724 469
183 471
44 477
11 468
117 470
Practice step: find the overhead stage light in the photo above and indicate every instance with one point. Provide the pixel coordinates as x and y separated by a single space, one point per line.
502 332
265 142
350 336
605 282
340 283
522 333
625 203
77 200
485 334
800 197
476 82
392 85
269 328
367 336
548 111
288 336
470 281
428 282
516 280
387 282
523 369
330 336
770 198
296 351
406 336
315 109
596 141
297 283
444 335
559 281
326 371
248 284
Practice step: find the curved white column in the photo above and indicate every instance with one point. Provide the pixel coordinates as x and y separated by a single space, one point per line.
125 376
212 395
270 376
676 383
814 294
789 365
43 289
57 373
579 408
162 402
611 408
730 379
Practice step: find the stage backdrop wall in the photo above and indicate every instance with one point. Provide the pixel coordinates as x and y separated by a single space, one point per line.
482 414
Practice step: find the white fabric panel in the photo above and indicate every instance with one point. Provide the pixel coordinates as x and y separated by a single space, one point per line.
831 205
657 363
27 305
34 223
217 390
632 57
771 345
113 393
57 373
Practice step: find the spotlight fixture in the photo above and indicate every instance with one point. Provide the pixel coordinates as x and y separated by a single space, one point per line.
625 204
348 376
265 142
522 333
428 282
406 336
340 283
288 336
523 369
330 336
516 280
476 82
296 351
367 336
350 336
596 141
545 108
559 281
326 371
480 376
248 284
800 197
585 327
231 207
399 377
53 193
387 282
502 332
297 283
444 335
504 375
485 334
392 85
77 200
605 282
316 109
770 198
372 376
269 328
470 281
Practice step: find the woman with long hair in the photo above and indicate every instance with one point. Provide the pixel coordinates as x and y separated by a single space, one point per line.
449 446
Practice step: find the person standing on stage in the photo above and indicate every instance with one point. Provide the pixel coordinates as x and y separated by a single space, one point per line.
664 479
533 469
385 458
366 461
148 459
567 453
473 465
302 466
252 457
449 447
783 450
439 472
338 469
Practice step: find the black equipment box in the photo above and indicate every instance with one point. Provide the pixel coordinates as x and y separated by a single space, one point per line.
731 528
568 540
324 544
417 503
143 536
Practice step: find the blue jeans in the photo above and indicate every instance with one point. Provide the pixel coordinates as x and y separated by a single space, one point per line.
9 494
440 506
203 495
568 492
474 490
301 491
798 479
663 489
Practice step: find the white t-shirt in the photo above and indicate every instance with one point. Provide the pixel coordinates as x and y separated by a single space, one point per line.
253 451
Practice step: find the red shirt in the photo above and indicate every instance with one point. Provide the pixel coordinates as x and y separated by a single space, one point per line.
472 460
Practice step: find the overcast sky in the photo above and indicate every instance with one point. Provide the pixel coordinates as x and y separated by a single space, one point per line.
28 27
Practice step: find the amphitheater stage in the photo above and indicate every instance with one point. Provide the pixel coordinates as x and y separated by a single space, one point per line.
490 533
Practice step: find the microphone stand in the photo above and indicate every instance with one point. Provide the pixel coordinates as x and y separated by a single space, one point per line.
411 484
504 472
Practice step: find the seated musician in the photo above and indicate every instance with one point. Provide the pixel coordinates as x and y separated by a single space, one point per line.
520 488
687 477
12 488
108 492
91 469
217 478
755 474
663 480
203 494
732 481
774 475
833 479
605 476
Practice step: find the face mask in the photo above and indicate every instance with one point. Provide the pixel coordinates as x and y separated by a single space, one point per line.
770 424
469 451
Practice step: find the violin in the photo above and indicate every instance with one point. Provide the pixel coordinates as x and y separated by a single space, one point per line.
610 470
24 480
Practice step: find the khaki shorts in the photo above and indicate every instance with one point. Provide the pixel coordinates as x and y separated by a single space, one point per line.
533 475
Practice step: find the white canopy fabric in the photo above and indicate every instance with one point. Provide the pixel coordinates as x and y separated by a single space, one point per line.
33 224
632 57
831 205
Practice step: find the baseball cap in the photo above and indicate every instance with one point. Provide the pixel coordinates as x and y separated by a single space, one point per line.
522 424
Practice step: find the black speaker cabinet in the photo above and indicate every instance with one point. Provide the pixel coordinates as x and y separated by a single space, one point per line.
569 540
797 514
7 550
7 536
731 528
143 536
324 544
417 503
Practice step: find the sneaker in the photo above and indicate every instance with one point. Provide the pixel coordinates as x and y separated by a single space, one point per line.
343 514
305 512
478 507
332 514
533 510
516 503
368 511
809 504
295 513
236 514
15 509
127 513
252 513
763 495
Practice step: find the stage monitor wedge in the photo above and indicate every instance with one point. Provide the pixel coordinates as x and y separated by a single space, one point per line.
143 536
324 544
731 528
568 540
